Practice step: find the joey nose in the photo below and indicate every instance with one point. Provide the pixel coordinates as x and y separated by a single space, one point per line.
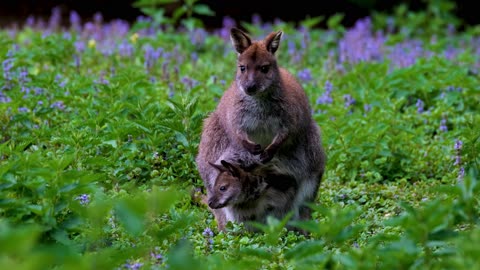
251 89
211 204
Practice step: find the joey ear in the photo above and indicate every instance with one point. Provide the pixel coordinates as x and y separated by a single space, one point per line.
220 168
272 41
234 170
240 40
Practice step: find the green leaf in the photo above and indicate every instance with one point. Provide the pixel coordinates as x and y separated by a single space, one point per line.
311 22
181 257
261 253
130 214
17 239
305 249
112 143
334 20
204 10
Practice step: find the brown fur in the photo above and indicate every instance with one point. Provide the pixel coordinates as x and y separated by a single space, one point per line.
264 114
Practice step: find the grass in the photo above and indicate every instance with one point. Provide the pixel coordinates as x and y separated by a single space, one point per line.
101 124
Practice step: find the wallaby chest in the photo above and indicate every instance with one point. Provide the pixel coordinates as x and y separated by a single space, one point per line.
261 120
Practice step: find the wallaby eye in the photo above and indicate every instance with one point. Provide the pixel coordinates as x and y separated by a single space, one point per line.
223 188
242 68
264 69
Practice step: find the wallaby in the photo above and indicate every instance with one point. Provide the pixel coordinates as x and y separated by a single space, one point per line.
250 196
265 113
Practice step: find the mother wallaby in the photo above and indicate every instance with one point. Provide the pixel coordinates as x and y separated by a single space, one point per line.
265 113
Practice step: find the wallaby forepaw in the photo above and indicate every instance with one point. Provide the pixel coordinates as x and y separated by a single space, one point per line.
253 148
257 149
265 157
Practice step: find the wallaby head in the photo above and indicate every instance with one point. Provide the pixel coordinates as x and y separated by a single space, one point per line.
234 185
257 69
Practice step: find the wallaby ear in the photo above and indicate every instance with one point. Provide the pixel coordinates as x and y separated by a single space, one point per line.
272 41
240 40
220 168
234 170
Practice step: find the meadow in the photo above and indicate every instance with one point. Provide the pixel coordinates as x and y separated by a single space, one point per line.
100 123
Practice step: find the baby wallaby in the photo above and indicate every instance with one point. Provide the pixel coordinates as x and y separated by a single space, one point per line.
250 196
264 113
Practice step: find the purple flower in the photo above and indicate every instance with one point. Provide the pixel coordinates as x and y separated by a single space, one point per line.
125 49
453 88
79 46
133 266
458 144
305 75
256 19
450 53
84 199
7 67
461 174
58 105
207 232
23 76
55 18
458 147
194 57
98 18
75 21
443 125
4 98
76 60
198 36
360 44
102 79
151 56
30 22
189 82
26 90
23 109
306 38
291 47
326 97
227 24
406 53
292 50
349 100
367 108
58 79
38 91
156 255
419 105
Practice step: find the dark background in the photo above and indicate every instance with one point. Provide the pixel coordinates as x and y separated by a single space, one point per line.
19 10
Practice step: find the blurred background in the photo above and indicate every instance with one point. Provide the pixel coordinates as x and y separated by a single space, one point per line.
17 11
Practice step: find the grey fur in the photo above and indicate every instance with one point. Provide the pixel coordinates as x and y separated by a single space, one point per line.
251 196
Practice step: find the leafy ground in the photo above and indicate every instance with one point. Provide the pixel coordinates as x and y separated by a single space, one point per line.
100 124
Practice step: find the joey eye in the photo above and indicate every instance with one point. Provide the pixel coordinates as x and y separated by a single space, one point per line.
223 188
242 68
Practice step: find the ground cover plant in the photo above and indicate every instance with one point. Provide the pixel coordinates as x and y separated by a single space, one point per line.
100 123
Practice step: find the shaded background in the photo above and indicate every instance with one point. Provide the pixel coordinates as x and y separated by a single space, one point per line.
12 11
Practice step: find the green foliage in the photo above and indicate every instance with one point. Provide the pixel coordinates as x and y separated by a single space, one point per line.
433 20
97 158
182 11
